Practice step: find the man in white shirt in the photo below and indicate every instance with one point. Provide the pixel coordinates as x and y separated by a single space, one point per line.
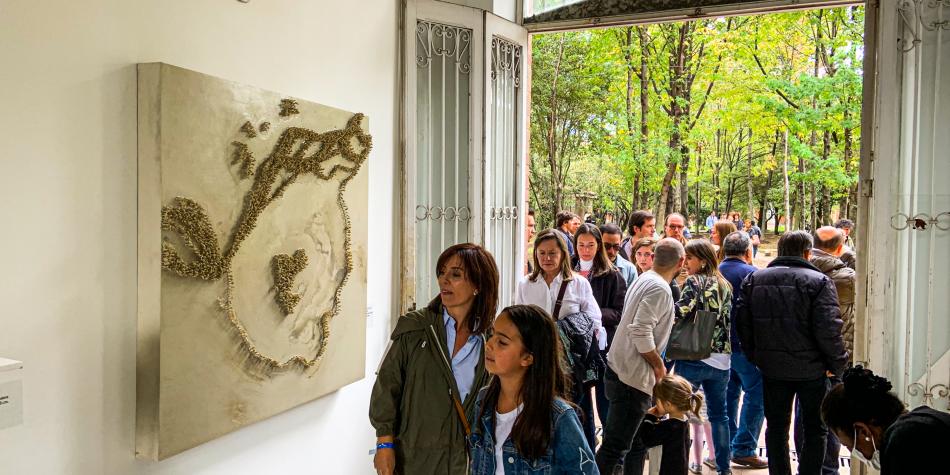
634 363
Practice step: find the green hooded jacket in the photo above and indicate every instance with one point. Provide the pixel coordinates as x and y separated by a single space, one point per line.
412 399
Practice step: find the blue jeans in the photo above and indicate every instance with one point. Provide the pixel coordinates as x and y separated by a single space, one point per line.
744 429
714 382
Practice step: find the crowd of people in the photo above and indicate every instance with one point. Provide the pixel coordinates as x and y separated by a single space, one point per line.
679 343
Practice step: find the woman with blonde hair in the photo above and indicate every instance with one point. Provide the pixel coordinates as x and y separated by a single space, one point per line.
707 294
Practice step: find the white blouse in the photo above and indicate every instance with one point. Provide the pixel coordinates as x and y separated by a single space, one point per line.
578 297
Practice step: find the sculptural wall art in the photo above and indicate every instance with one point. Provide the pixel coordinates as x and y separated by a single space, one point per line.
252 255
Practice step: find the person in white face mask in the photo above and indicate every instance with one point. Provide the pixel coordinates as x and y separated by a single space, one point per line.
873 424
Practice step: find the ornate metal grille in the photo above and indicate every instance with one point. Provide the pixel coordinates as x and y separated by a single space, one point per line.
503 161
443 173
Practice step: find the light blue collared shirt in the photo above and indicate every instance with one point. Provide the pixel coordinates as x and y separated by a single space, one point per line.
465 361
627 270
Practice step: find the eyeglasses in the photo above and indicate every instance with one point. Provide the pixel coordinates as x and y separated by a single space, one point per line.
615 247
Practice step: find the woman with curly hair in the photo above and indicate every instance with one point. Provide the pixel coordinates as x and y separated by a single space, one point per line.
872 423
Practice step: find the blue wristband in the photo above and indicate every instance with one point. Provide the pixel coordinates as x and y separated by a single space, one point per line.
384 445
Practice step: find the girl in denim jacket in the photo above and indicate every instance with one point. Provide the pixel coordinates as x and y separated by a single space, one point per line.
523 423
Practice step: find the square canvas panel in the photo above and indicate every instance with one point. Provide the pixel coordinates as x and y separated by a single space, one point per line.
252 255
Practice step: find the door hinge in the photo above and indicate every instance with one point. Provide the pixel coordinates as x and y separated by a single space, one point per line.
867 188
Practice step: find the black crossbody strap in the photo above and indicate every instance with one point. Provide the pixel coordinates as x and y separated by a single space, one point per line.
560 298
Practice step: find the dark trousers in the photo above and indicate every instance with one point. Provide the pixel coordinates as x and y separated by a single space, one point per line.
603 404
778 396
586 404
832 445
600 396
627 408
673 437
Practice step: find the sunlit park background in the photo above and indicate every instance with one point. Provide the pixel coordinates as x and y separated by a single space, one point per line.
756 115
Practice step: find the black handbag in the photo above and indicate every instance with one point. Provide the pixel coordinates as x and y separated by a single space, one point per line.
691 336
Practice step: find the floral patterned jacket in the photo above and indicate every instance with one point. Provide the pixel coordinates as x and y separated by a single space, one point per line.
717 297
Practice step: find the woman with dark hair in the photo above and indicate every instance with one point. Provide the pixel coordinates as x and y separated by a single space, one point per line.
524 423
609 289
424 396
872 423
707 290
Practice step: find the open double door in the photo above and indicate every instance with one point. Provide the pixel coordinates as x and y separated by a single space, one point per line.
464 173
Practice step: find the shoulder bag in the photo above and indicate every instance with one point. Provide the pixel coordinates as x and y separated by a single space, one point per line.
691 336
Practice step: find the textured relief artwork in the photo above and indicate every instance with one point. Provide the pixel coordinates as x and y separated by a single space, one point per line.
252 255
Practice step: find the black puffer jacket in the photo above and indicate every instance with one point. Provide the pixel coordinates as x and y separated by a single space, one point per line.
789 323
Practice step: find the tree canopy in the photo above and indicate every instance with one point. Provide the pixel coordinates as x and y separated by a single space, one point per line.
759 115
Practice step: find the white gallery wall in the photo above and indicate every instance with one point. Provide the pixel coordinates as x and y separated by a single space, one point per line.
68 240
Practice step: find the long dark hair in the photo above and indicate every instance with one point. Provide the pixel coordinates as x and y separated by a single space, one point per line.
547 378
602 265
704 250
861 397
480 269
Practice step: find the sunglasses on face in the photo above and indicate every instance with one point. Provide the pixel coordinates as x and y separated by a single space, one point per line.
615 247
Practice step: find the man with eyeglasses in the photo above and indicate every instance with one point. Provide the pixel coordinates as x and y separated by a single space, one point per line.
612 236
675 224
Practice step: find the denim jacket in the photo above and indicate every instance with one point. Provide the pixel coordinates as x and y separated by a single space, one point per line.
567 453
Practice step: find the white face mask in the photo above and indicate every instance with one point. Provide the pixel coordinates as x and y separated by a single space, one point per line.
875 461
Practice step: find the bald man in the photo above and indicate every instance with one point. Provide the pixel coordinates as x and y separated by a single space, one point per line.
829 245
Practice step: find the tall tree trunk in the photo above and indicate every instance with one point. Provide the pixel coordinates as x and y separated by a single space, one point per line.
684 183
785 190
553 163
644 101
628 59
751 206
699 172
848 153
677 69
716 189
825 189
802 194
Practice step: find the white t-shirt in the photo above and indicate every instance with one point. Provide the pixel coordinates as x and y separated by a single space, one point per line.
720 361
503 425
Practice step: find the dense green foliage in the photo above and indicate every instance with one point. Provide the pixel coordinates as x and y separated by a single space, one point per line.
693 117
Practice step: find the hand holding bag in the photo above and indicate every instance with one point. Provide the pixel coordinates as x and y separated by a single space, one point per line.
691 336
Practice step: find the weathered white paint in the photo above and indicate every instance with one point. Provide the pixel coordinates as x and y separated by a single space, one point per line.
68 280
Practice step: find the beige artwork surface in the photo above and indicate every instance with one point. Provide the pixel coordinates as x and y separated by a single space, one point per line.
252 255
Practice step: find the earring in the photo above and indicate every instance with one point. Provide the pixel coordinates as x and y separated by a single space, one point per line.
867 438
475 293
